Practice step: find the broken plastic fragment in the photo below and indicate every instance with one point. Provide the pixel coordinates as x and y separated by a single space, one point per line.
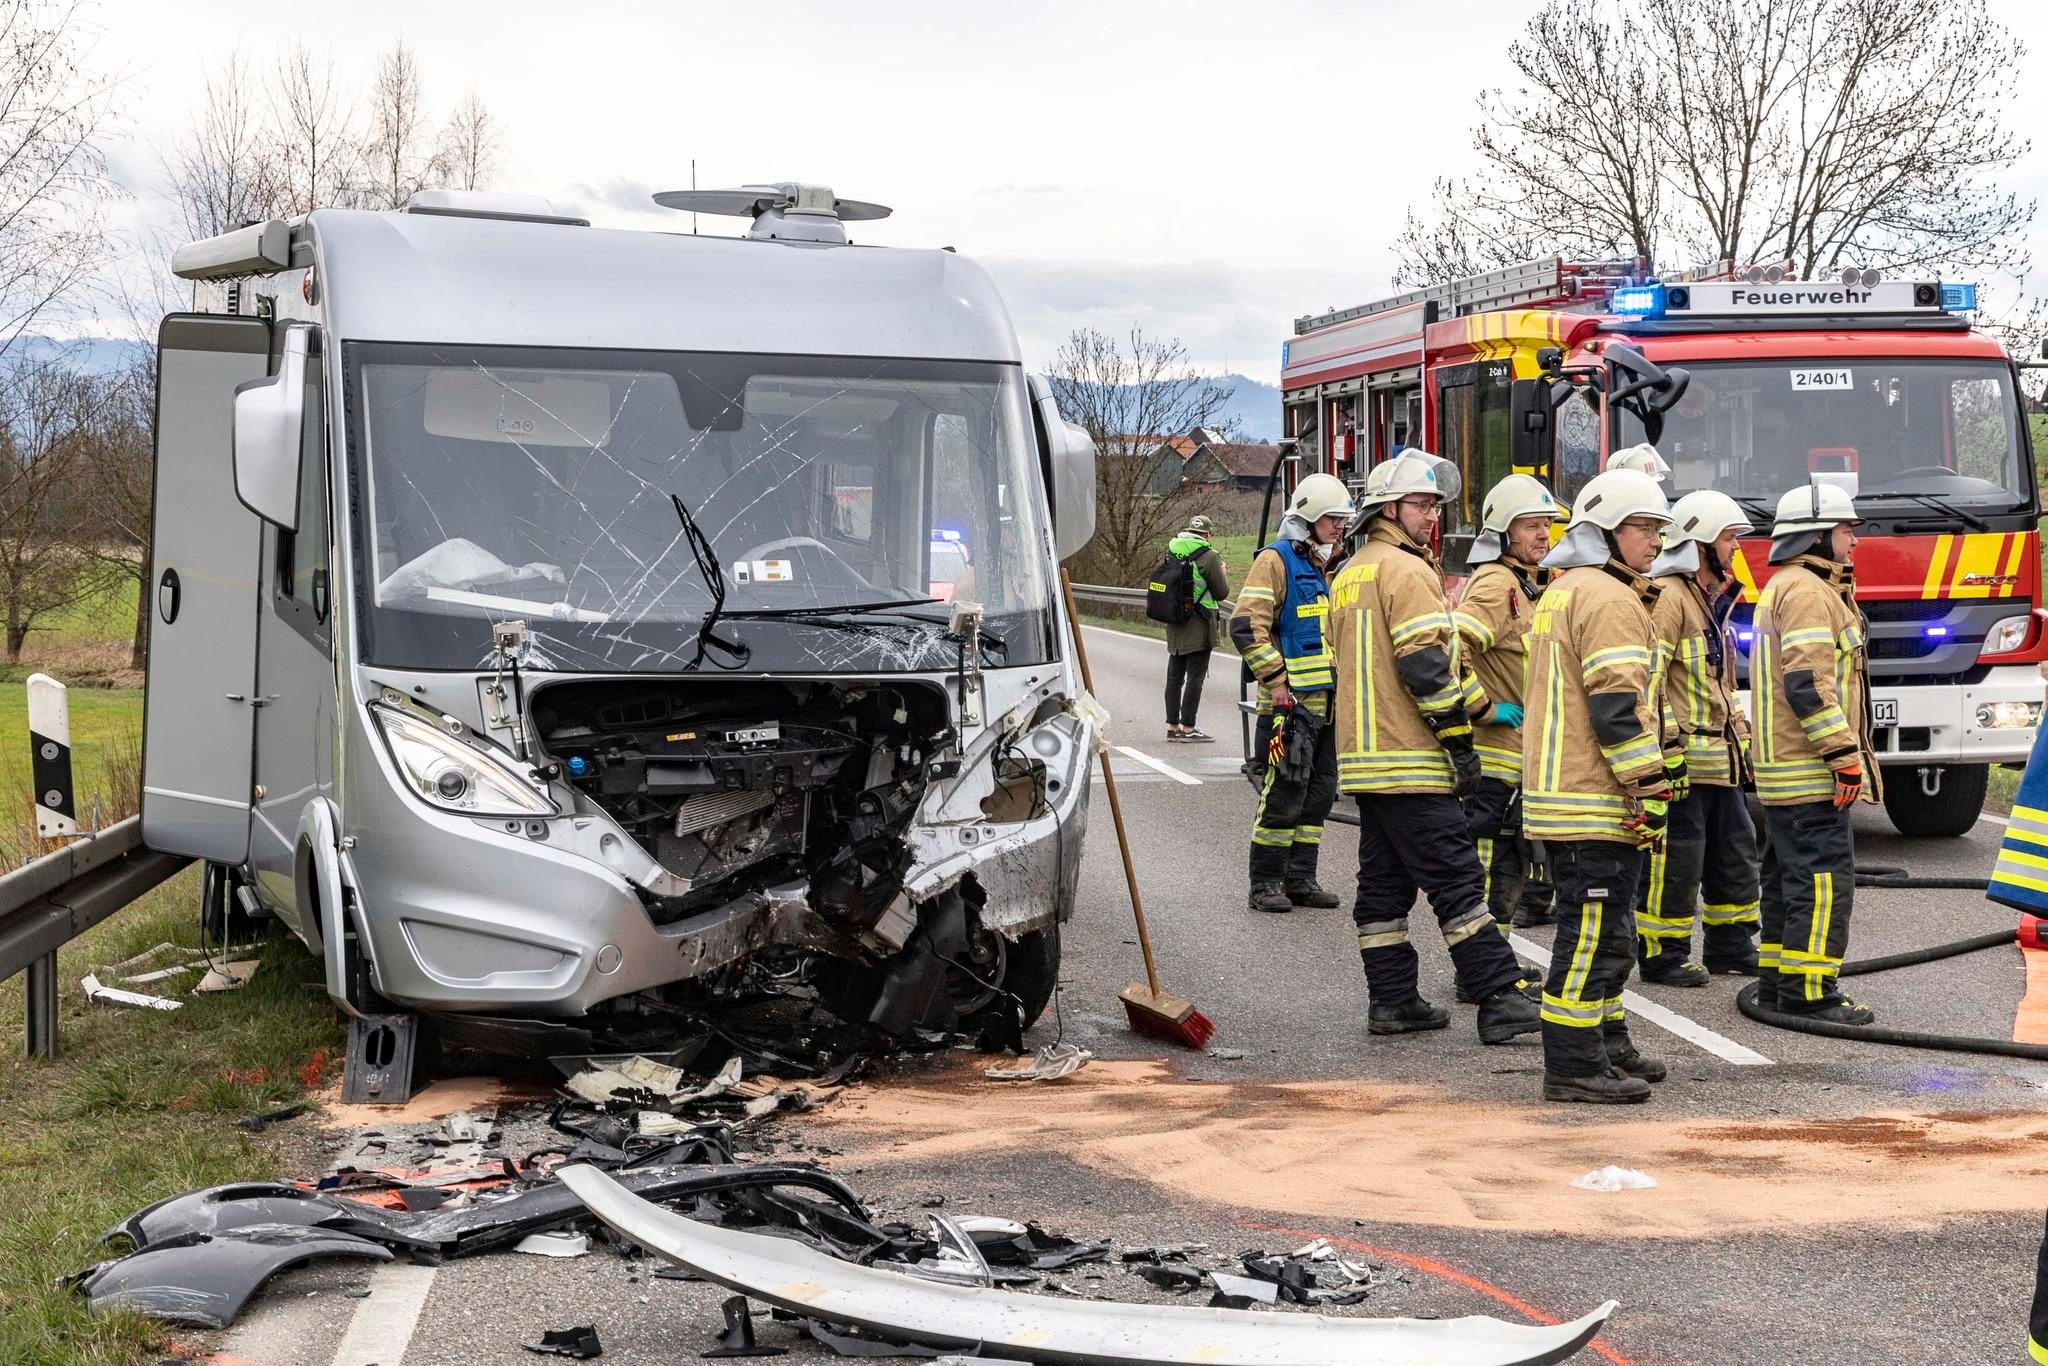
1610 1179
204 1280
579 1343
1052 1062
554 1243
228 976
1245 1288
114 996
851 1343
738 1338
1179 1279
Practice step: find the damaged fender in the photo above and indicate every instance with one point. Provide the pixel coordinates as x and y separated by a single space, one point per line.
204 1280
802 1280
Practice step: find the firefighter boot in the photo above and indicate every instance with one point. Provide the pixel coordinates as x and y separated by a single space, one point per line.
1730 951
1625 1058
1834 1008
1269 896
1306 891
1670 969
1531 986
1602 1088
1412 1016
1508 1012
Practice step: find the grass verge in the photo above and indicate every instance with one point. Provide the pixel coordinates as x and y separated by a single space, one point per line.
139 1105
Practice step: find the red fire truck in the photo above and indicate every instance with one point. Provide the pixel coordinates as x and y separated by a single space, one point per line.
1752 382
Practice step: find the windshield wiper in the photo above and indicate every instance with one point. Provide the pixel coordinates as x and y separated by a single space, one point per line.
844 609
1757 508
713 573
1947 509
853 616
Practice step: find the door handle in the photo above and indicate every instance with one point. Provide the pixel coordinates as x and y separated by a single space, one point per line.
254 702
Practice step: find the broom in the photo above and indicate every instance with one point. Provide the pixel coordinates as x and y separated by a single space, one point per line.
1147 1009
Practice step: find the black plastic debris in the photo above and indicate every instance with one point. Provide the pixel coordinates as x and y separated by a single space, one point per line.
204 1279
418 1199
738 1338
1294 1279
851 1342
1179 1279
256 1124
1220 1300
675 1273
579 1343
1037 1249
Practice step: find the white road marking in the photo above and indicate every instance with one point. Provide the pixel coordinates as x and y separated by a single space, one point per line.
383 1324
1995 820
1639 1007
1148 761
1230 655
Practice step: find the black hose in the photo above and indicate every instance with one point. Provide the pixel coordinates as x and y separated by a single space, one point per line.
1897 877
1745 1000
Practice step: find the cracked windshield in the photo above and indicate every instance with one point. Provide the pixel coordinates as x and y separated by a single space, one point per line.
656 512
1898 431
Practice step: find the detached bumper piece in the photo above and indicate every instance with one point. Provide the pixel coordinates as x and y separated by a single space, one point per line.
802 1280
205 1279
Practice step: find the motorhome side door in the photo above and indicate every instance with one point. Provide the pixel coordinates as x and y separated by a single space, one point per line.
199 721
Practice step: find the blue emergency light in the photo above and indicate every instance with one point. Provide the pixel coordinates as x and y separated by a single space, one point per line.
1638 301
945 534
1745 636
1959 298
1935 632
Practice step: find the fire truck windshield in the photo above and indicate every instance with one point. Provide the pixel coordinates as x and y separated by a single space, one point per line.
1894 427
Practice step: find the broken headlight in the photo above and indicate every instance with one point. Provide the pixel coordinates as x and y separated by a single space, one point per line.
445 771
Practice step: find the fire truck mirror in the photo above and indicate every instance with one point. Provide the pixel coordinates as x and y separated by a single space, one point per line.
1529 408
1549 359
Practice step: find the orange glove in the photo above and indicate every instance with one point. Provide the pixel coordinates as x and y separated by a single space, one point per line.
1848 785
1276 748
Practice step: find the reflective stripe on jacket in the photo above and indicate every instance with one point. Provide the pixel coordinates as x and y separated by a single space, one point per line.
1278 626
1492 618
1400 676
1694 662
1810 685
1590 738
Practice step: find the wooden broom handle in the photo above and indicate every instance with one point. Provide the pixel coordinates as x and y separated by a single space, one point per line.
1116 810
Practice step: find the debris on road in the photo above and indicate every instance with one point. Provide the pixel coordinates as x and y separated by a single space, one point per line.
1050 1063
228 976
578 1343
800 1278
554 1243
114 996
1610 1179
738 1338
204 1279
256 1124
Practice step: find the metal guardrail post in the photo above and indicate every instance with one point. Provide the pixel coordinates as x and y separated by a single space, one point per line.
40 1008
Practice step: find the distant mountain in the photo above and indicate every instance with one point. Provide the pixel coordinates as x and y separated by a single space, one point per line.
96 355
1255 406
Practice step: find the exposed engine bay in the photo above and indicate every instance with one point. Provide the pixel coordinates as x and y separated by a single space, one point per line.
777 780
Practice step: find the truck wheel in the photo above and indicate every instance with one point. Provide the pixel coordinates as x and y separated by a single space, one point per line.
1032 970
1950 811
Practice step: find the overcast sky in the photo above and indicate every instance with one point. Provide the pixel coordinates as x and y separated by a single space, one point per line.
1207 170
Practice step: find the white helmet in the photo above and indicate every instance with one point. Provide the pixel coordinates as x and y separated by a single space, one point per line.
1703 515
1612 498
1807 514
1411 472
1318 496
1642 456
1816 507
1518 495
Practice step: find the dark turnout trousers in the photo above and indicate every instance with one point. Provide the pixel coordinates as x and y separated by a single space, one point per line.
1591 956
1416 841
1287 832
1707 869
1493 822
1809 888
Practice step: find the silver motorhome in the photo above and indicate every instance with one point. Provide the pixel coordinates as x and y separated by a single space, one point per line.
563 628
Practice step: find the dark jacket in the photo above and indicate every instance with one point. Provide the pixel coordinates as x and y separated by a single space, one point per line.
1212 587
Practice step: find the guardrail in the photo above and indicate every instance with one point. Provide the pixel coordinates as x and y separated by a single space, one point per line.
50 901
1125 599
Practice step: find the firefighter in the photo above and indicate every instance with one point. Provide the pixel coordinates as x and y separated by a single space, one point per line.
1493 622
1594 789
1710 848
1278 630
1812 751
1405 753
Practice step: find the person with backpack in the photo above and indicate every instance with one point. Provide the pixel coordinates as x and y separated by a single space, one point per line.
1194 580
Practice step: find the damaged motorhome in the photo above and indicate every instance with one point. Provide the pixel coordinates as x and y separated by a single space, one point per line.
563 628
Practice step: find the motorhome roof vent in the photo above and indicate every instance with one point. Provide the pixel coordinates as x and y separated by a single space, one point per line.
787 212
513 208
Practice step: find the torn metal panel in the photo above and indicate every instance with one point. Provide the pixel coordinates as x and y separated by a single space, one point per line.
204 1280
804 1281
221 1209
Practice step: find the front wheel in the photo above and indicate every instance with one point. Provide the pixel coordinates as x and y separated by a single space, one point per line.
1953 809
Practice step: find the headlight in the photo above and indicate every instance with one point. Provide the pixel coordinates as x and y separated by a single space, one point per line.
2009 634
2007 715
446 772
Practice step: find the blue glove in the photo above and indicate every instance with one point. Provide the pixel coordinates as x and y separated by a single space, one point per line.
1507 714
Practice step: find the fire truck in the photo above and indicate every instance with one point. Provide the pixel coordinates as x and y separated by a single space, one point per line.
1751 381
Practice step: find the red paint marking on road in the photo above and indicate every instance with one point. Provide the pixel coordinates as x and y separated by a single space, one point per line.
1449 1273
2030 1020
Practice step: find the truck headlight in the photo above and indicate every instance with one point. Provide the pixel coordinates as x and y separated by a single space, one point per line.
2007 635
446 772
2007 715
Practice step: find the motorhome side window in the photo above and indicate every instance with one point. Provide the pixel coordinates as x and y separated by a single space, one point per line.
302 553
846 502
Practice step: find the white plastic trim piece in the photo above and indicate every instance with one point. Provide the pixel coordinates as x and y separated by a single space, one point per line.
803 1280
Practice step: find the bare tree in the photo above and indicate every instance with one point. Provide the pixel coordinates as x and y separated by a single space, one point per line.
44 408
116 429
469 144
398 163
317 154
224 171
1823 132
1132 395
